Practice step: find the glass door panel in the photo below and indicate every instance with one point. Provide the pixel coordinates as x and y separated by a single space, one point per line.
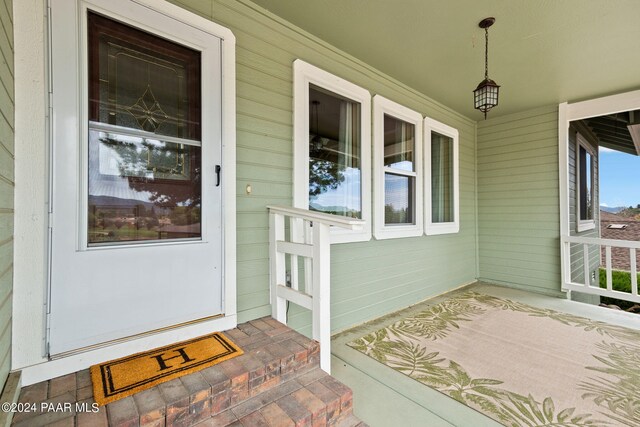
142 189
144 136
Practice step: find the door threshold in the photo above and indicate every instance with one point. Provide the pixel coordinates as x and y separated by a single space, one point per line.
131 337
74 361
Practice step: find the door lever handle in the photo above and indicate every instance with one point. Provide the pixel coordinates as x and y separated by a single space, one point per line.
218 169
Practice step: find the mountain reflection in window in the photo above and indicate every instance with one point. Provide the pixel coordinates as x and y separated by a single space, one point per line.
142 189
334 154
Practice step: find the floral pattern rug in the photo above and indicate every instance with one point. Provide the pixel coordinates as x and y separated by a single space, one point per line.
518 364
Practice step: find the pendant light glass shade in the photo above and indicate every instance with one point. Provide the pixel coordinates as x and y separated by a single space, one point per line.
486 95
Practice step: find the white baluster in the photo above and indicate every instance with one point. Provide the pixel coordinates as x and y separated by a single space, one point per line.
322 293
277 267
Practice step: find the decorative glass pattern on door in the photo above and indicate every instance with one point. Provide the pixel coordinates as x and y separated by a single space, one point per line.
334 154
144 136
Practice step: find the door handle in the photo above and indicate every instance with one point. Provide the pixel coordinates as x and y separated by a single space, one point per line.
218 169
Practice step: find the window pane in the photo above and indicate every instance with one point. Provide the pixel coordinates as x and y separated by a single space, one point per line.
334 154
398 199
442 197
141 81
586 184
142 189
398 144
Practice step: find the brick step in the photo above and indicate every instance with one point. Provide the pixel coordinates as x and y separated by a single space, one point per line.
277 362
309 399
350 421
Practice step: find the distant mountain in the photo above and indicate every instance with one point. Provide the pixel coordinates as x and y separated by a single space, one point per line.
610 209
335 210
117 201
630 212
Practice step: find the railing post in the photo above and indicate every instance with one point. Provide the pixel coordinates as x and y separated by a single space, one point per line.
585 265
566 248
311 240
634 271
277 267
322 293
308 264
607 251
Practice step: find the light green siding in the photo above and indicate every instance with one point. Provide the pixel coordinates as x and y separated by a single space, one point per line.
6 184
368 279
518 207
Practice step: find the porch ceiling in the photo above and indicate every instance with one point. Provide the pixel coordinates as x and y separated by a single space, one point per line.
541 52
616 131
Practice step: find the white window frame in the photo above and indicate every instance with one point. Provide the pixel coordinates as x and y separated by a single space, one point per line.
305 74
589 224
381 107
431 228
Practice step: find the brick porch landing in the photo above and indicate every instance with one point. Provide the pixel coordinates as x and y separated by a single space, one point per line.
277 382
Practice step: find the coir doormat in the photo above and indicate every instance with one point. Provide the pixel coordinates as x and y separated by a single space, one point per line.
123 377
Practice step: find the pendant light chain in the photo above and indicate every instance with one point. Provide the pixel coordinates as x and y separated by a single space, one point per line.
486 53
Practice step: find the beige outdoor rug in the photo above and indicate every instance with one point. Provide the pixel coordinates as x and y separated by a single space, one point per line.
520 365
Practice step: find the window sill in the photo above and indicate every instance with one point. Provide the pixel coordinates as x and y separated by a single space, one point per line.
442 228
344 236
398 232
586 225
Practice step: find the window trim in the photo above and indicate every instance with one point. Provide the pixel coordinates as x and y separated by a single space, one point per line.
303 75
589 224
431 228
381 107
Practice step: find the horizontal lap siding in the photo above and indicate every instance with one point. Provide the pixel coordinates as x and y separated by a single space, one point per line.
518 208
368 279
6 184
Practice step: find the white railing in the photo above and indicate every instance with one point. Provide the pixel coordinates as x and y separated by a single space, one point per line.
310 239
569 242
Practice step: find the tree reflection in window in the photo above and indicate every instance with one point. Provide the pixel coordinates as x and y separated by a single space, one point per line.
334 154
142 189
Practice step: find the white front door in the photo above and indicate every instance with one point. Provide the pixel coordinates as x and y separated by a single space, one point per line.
136 236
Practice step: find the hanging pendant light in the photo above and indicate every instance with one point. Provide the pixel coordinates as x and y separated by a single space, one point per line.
485 97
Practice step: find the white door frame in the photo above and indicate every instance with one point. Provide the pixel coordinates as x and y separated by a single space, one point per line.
32 193
568 112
